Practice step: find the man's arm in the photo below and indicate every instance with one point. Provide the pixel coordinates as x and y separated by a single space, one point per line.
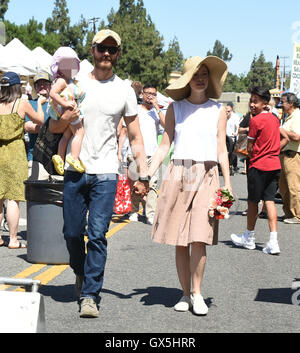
160 114
292 135
284 138
138 151
59 126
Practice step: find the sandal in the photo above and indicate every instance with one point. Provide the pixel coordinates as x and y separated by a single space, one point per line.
58 164
75 163
20 246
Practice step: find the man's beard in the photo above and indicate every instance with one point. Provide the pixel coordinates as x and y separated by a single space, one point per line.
105 63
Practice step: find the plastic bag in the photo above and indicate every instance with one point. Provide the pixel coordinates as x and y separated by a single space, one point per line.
122 199
240 148
44 191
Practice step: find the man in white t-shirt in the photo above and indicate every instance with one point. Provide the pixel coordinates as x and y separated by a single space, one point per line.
232 127
150 116
108 98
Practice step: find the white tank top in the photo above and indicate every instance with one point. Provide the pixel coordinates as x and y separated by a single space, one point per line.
196 127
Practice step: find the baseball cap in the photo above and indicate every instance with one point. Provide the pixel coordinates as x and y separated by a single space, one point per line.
10 79
42 75
105 33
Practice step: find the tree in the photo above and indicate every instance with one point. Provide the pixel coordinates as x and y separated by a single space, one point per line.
143 58
59 23
3 8
220 51
261 73
235 83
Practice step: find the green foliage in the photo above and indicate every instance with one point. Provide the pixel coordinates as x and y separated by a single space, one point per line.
3 8
220 51
143 57
235 83
261 73
59 23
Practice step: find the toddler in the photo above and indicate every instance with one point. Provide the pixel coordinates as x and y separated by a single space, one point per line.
65 94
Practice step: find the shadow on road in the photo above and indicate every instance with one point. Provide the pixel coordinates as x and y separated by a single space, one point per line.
275 295
64 294
259 246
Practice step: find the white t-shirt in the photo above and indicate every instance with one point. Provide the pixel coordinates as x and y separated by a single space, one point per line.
104 105
232 125
149 125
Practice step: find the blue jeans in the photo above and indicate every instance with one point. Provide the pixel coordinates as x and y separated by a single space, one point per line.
96 194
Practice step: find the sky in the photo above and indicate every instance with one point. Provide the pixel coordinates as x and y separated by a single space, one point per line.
245 27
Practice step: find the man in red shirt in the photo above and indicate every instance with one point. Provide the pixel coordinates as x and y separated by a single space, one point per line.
264 170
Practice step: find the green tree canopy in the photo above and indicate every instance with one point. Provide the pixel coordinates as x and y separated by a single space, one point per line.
220 51
3 8
59 23
143 57
261 73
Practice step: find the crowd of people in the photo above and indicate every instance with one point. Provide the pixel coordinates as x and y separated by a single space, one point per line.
106 123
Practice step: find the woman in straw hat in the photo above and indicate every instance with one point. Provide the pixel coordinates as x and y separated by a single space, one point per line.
197 125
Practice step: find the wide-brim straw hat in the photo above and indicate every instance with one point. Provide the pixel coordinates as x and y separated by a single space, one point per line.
218 71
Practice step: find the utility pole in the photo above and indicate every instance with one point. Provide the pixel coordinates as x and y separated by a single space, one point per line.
93 21
283 73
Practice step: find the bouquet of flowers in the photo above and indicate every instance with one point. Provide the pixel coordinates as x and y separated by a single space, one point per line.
219 206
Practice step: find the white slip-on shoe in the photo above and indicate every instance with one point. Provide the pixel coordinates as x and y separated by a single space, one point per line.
243 240
272 248
184 304
134 217
199 306
150 220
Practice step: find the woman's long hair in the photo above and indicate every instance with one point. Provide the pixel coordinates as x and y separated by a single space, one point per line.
9 94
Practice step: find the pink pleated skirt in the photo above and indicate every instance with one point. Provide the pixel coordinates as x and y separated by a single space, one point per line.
181 216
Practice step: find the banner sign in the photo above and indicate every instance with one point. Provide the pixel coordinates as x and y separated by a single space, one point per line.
295 74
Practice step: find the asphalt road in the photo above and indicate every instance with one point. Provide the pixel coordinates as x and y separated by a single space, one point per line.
246 290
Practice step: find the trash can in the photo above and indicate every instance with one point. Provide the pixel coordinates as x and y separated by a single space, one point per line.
45 239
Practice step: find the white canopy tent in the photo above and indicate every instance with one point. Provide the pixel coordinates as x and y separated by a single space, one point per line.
85 68
43 59
15 56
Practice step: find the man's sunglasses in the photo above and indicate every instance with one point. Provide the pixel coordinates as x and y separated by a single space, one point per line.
103 48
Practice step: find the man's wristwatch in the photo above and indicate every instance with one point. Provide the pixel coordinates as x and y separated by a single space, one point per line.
158 111
145 178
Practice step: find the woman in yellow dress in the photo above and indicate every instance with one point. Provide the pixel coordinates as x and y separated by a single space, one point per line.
13 160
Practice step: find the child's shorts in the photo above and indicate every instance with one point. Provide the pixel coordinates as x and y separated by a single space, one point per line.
262 185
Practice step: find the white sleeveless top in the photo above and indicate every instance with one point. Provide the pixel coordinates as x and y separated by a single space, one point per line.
196 127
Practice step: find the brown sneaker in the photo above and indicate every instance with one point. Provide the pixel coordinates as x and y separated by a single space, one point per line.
88 308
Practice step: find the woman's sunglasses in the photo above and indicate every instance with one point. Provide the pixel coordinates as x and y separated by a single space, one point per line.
103 48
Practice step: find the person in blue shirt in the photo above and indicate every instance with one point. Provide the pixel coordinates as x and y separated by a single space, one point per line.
42 85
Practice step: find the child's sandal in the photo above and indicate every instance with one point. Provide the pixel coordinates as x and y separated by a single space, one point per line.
75 163
58 164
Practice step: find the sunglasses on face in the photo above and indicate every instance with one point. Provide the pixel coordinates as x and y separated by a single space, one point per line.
103 48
